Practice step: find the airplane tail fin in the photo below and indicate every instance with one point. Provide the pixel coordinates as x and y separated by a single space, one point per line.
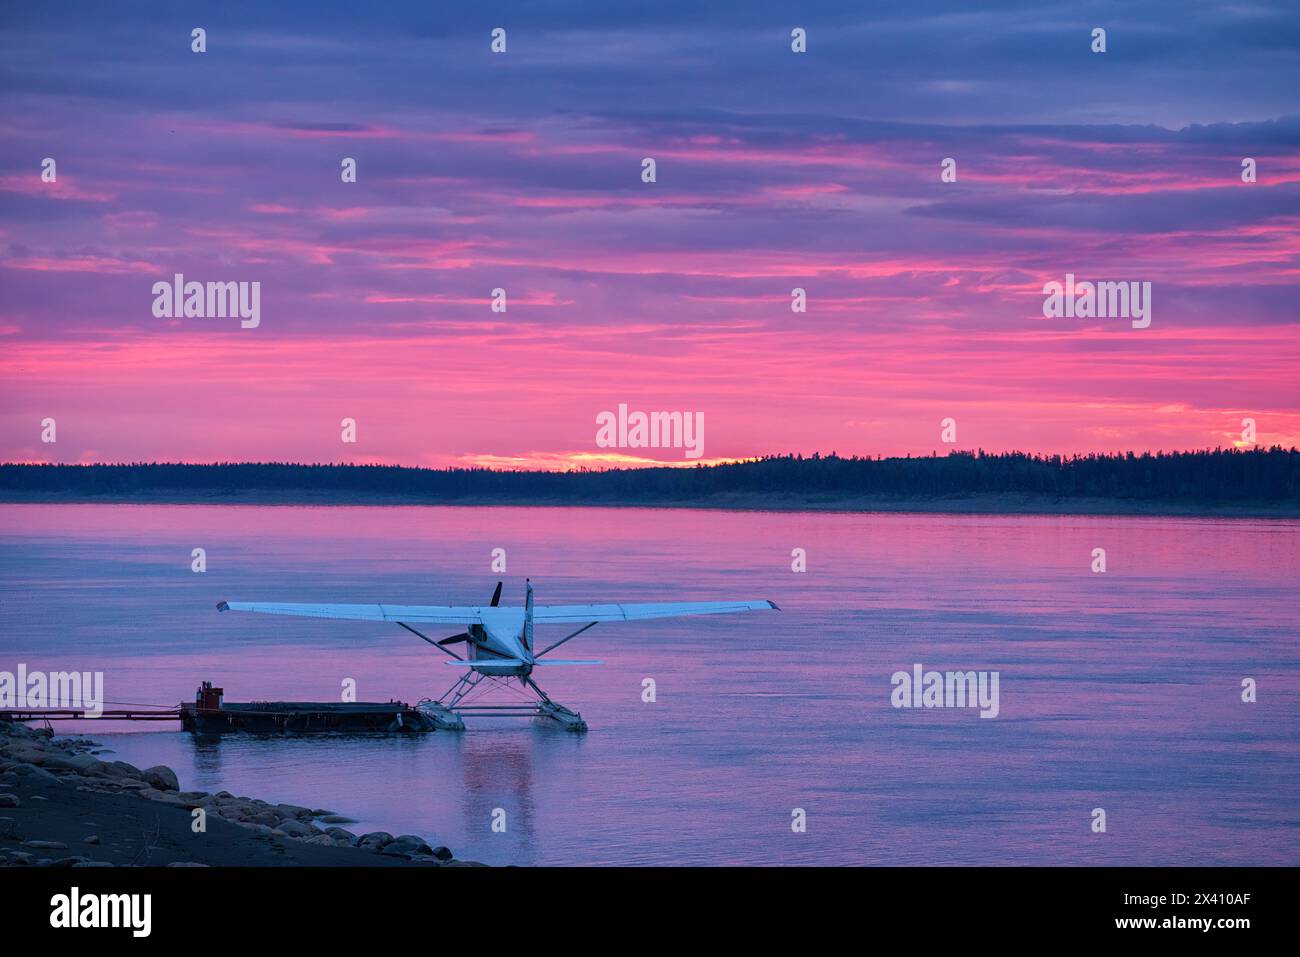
528 617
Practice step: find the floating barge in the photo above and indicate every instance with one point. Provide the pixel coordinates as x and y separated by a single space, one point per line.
209 713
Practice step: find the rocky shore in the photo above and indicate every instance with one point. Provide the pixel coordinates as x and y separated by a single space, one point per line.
61 806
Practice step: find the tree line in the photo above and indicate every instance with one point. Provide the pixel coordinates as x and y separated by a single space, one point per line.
1210 476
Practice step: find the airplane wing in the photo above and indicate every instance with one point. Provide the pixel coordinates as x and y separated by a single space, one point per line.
499 616
663 609
414 614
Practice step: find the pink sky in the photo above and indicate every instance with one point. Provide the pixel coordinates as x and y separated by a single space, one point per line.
924 297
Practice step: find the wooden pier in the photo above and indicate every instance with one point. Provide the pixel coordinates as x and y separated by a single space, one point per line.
80 714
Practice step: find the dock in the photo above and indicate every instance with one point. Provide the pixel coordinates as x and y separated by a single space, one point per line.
210 713
81 714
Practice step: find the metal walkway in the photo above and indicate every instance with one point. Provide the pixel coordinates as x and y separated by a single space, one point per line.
79 714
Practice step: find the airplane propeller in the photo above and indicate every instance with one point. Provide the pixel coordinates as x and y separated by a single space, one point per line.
466 635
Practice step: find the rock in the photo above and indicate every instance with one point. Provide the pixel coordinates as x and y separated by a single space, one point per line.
186 864
46 845
337 819
375 839
10 800
35 773
116 770
9 829
78 763
443 853
95 864
92 839
406 845
341 834
162 777
294 811
415 839
68 861
20 857
269 818
25 754
326 840
8 779
294 829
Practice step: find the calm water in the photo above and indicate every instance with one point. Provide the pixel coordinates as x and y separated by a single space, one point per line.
1119 691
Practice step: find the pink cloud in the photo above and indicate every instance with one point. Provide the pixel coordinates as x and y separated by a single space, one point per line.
64 187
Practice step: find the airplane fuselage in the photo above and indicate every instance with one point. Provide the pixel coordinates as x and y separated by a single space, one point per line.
506 648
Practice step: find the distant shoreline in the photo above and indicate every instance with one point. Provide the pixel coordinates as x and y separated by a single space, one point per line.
1256 483
1002 504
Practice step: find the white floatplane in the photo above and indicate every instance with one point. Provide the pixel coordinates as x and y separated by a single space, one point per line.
499 643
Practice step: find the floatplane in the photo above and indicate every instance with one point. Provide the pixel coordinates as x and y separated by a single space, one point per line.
499 644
